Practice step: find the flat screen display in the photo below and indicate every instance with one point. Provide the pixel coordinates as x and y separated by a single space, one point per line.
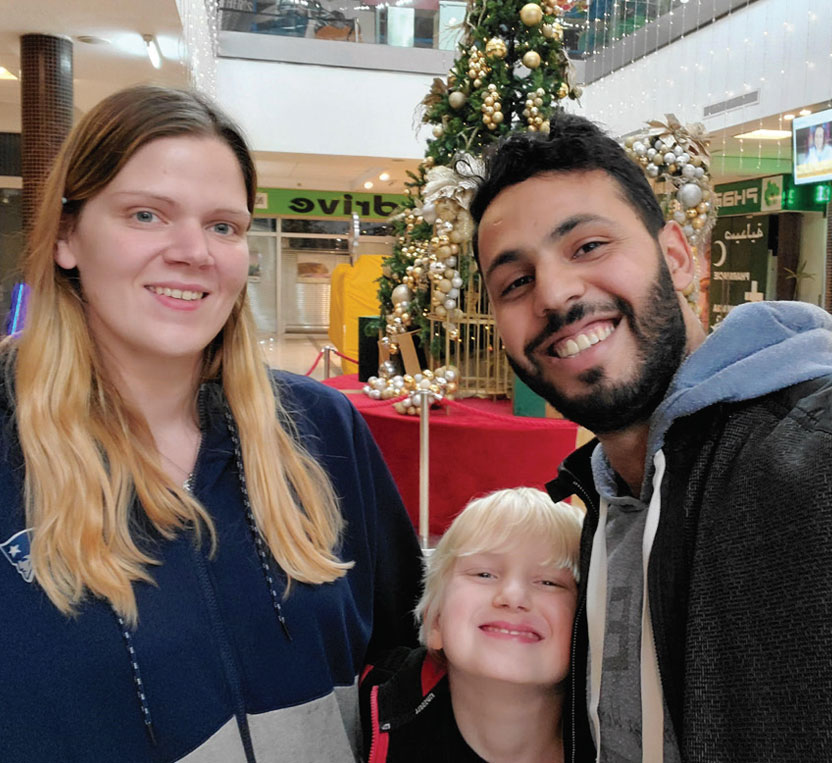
812 147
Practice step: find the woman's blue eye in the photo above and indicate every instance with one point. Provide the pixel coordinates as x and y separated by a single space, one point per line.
223 228
144 216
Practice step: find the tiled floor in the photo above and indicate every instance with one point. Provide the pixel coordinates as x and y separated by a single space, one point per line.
297 353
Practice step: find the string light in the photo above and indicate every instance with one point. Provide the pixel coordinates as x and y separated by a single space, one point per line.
200 30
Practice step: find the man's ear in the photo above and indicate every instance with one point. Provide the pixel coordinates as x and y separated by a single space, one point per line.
678 255
64 254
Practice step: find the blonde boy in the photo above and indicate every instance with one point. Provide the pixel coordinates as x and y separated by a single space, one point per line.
495 622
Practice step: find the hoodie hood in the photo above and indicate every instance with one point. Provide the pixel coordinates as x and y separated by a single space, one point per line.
759 348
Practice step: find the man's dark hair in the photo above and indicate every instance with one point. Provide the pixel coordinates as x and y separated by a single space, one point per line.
574 144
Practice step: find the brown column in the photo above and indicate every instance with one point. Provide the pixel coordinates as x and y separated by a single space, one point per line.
46 111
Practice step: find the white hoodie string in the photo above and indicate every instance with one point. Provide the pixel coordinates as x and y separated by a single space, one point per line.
652 703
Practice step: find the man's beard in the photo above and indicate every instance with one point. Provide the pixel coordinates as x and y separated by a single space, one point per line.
660 338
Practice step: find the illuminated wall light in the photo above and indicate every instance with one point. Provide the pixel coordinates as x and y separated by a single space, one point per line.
368 184
788 117
384 177
153 52
805 112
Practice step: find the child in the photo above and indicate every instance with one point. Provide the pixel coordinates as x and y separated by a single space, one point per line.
496 620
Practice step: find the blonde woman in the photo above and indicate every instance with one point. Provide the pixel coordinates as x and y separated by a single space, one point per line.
197 556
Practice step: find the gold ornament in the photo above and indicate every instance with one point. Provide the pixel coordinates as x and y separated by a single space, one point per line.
563 90
438 131
531 59
496 48
531 14
457 99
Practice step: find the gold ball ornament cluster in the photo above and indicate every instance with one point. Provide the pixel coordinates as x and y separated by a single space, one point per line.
438 384
531 14
492 108
478 68
533 111
667 157
676 158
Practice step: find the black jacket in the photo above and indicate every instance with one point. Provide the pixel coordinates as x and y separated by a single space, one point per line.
739 579
406 712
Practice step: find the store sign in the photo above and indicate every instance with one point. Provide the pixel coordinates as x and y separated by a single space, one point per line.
288 202
739 264
776 193
739 198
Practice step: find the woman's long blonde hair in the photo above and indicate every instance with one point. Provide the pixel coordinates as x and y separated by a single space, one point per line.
88 454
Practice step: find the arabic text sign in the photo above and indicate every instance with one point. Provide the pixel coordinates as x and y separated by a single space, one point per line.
739 264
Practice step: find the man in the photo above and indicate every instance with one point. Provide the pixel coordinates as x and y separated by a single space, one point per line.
712 467
820 150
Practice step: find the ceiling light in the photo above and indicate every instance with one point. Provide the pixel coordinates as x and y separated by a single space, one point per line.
6 74
368 184
764 135
153 52
805 112
384 176
788 117
91 39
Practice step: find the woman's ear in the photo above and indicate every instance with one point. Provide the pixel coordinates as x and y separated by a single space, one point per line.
678 255
64 254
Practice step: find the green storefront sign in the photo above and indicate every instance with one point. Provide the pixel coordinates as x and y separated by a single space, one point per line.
776 193
739 264
288 202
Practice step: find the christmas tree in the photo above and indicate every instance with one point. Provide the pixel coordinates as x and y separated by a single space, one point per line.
511 73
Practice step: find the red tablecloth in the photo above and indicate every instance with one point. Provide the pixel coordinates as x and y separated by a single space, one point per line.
475 446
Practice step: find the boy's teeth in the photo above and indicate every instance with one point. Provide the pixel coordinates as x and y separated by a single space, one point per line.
188 296
582 342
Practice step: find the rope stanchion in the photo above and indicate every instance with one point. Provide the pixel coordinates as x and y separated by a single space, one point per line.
315 364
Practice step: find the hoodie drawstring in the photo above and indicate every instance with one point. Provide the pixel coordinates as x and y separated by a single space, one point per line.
259 543
137 677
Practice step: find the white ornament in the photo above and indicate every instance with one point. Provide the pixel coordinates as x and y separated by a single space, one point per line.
688 171
669 157
689 195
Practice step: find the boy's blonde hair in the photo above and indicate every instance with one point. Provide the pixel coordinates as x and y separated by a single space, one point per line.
496 521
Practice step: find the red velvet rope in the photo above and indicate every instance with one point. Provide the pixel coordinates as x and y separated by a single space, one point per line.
320 355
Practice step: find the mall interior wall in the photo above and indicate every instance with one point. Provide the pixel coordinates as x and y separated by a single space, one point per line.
776 47
308 109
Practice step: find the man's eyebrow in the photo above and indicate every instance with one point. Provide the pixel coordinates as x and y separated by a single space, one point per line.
570 223
558 232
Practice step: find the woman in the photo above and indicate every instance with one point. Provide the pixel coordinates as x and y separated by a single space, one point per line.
200 557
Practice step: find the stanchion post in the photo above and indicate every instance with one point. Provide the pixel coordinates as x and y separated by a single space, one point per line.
424 467
326 349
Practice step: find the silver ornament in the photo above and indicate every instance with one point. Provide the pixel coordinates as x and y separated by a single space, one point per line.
689 195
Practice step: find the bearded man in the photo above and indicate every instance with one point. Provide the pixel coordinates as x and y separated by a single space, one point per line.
704 624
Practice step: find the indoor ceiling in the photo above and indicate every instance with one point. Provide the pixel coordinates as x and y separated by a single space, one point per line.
116 58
